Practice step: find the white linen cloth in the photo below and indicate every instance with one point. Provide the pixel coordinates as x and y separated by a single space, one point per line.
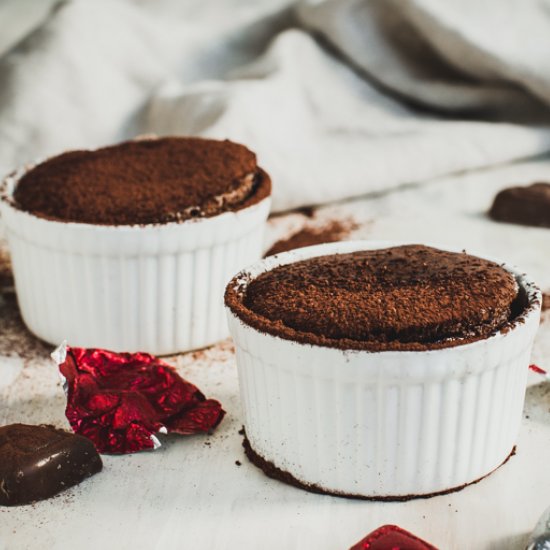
338 97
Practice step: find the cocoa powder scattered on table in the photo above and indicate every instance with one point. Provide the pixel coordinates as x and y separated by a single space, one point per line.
309 235
15 337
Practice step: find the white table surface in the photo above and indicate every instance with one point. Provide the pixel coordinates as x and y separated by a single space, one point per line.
191 494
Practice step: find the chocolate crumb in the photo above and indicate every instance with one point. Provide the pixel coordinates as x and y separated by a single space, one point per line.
238 462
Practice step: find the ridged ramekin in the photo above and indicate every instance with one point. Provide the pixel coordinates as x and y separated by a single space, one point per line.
384 425
156 288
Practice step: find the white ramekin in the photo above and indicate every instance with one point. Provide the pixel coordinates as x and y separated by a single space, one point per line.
393 424
154 288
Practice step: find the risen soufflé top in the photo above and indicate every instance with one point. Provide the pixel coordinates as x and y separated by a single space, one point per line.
403 298
144 182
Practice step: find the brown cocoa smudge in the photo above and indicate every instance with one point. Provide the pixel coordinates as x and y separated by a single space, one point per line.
6 275
15 337
330 232
307 211
545 301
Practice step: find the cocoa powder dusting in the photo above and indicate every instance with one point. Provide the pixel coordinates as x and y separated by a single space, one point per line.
402 298
332 231
144 182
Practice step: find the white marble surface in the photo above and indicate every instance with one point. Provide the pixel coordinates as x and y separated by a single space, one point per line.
191 494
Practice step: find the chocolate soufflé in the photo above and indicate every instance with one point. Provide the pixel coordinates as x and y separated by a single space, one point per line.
410 297
148 181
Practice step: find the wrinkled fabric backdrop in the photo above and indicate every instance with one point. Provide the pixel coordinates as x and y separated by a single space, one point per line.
338 97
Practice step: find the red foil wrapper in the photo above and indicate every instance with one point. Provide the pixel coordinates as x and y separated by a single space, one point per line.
121 400
392 537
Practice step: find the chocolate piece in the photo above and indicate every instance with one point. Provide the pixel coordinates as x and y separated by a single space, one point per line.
144 182
528 205
392 537
37 462
402 298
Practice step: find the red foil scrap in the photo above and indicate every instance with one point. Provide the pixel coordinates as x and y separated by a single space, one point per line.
121 400
392 537
537 369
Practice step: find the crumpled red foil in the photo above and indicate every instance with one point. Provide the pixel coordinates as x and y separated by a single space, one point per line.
392 537
121 400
